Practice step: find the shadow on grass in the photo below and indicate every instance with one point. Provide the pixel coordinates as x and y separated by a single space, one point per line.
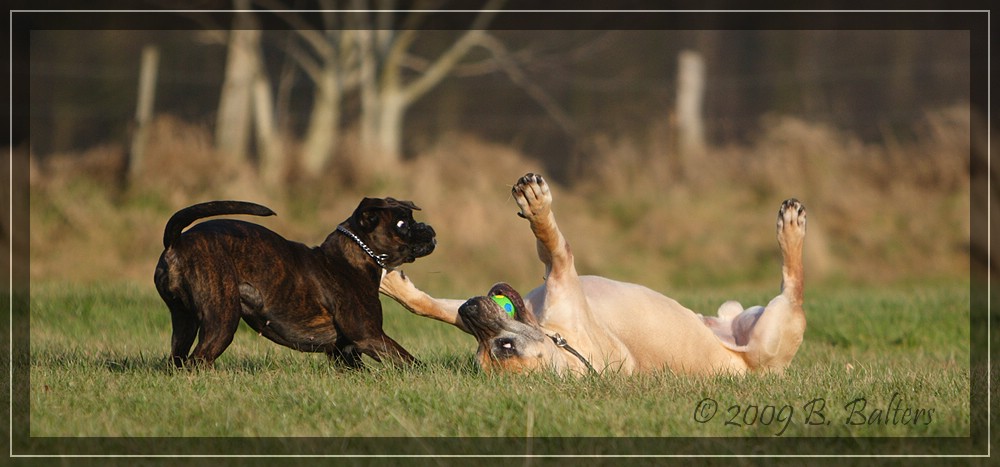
464 364
255 364
136 364
64 359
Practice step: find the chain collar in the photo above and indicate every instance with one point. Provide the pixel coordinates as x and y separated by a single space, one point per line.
379 259
560 342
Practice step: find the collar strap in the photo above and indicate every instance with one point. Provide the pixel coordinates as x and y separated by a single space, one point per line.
561 343
379 259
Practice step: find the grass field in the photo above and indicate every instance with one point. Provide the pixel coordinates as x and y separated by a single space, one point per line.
879 362
99 369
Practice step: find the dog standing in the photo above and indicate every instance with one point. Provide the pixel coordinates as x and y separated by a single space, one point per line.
579 324
319 299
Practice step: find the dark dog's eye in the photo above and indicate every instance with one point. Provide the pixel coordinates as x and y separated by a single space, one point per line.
402 226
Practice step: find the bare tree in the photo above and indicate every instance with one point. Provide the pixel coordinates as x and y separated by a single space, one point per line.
246 101
269 145
330 61
232 127
363 52
385 94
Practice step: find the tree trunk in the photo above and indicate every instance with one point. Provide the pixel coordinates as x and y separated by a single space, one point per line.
389 140
324 124
370 99
690 93
272 160
384 103
232 128
144 109
906 53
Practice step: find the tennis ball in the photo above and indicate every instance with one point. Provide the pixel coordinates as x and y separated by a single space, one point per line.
505 303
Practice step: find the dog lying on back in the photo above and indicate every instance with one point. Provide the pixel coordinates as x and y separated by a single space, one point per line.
577 324
318 299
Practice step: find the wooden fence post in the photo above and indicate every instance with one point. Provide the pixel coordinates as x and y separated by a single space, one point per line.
144 108
690 94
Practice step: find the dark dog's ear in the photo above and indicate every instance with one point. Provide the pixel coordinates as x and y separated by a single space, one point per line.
393 202
384 203
367 220
365 214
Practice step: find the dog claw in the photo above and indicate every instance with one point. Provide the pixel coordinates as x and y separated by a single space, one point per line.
531 193
791 221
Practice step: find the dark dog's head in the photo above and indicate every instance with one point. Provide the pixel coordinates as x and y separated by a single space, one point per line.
387 227
509 336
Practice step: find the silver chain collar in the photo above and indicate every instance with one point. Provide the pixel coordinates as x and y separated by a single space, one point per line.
560 342
379 259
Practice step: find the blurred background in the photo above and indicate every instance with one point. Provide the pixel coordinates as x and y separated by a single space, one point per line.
670 151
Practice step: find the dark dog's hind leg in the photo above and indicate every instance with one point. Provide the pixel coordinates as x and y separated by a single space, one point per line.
217 333
185 329
184 321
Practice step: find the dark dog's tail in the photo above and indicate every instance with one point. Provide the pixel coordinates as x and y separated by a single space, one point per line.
186 216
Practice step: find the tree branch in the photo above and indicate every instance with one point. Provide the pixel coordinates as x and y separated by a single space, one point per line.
464 70
307 63
447 61
510 68
313 37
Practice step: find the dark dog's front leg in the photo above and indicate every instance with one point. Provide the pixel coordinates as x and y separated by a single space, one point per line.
382 346
359 324
345 356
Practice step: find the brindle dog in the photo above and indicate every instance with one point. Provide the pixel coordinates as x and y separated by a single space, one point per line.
319 299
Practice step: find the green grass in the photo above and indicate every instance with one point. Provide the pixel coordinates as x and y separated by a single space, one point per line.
99 368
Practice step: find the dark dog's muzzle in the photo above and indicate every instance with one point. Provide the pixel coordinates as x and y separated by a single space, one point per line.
422 241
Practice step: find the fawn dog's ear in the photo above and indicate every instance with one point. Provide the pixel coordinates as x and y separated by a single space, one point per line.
520 312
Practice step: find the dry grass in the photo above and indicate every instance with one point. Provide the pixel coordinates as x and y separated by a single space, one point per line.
881 212
637 212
